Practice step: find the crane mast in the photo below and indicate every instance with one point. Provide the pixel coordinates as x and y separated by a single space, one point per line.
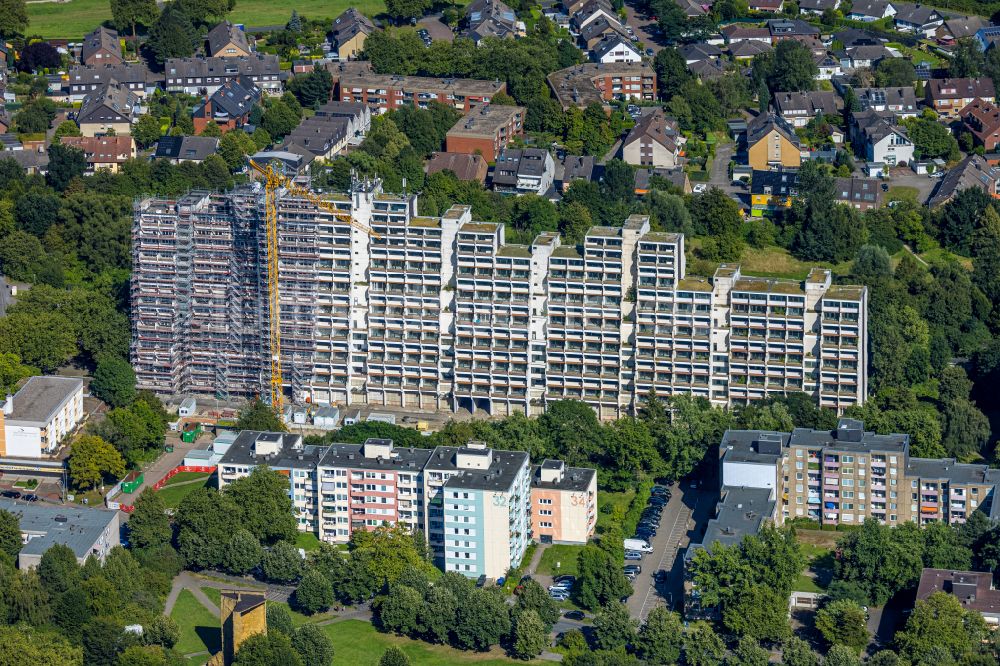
273 180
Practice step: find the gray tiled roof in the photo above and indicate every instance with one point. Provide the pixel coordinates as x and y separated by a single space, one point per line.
79 531
223 34
101 39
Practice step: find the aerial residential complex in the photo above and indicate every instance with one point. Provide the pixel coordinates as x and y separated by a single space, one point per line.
478 507
443 313
848 475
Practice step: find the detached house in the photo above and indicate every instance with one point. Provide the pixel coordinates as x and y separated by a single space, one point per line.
87 79
615 48
227 41
918 19
949 96
229 106
858 193
798 108
973 171
103 152
982 120
772 142
490 18
177 149
901 101
655 141
871 10
348 34
101 47
881 138
527 171
817 7
959 27
863 56
114 107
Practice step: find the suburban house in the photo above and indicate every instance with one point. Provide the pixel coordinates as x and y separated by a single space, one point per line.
748 49
676 176
796 29
859 193
982 120
863 55
486 129
490 18
959 27
772 189
615 48
577 167
919 19
707 69
798 108
973 171
463 165
348 34
827 66
358 116
698 52
949 96
317 137
735 33
817 7
40 415
177 149
114 107
229 106
767 6
196 76
771 142
988 36
655 141
901 101
881 138
976 590
871 10
591 11
227 41
524 171
103 152
592 33
101 47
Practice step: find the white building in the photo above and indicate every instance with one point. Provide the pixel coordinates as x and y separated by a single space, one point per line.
615 48
40 415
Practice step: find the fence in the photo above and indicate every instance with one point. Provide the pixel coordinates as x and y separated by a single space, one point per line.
182 468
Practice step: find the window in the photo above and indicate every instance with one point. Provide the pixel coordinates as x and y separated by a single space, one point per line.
544 500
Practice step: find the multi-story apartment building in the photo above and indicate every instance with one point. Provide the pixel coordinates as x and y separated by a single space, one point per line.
356 82
204 76
563 503
473 503
487 129
442 313
848 475
581 85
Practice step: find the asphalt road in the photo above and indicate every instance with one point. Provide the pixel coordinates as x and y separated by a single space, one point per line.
642 25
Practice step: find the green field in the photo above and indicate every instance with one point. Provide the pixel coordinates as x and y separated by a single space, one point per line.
358 643
76 18
199 627
173 494
307 541
184 477
607 501
566 555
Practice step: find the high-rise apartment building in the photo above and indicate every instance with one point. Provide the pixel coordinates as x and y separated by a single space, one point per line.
847 476
443 313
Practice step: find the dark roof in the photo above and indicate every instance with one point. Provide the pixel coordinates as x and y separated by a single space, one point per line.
973 171
973 588
849 436
904 97
857 37
812 103
876 125
740 512
601 26
500 475
965 26
873 52
961 88
223 34
112 102
101 39
700 51
291 452
817 5
573 479
707 69
76 527
463 165
236 98
609 43
790 27
915 14
578 167
192 148
526 161
258 64
245 600
318 134
858 190
128 73
952 471
675 176
342 109
353 456
775 182
748 48
656 127
349 24
762 125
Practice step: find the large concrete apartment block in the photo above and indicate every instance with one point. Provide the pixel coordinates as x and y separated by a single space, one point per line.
443 313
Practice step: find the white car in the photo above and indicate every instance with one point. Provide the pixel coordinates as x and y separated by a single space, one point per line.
700 188
563 587
559 595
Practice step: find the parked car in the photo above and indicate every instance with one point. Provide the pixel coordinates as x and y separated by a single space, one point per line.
30 498
12 494
560 587
559 595
579 616
633 555
700 188
628 568
660 490
564 578
660 575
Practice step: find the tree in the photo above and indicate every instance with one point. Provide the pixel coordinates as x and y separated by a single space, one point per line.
282 563
535 598
613 627
12 371
35 116
114 381
758 612
71 611
661 637
258 416
312 645
131 13
173 35
234 146
279 118
162 631
600 580
940 621
796 652
406 9
23 644
206 522
66 128
10 534
313 88
872 263
146 130
265 505
482 620
671 20
92 459
102 641
931 139
748 653
393 656
279 619
314 593
895 72
967 59
841 655
530 636
398 610
437 616
65 164
207 12
793 68
702 646
13 18
149 525
881 559
38 56
671 72
843 622
244 553
270 649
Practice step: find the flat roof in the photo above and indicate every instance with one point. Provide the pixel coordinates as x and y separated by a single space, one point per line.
41 397
574 479
352 456
292 453
485 120
499 475
359 74
740 512
80 530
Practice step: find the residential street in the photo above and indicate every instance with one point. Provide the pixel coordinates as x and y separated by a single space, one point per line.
159 468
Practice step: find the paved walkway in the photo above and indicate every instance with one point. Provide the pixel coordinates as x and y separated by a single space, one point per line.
159 467
536 559
185 580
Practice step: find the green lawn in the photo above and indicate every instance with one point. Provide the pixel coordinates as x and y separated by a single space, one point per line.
359 644
213 593
563 554
199 627
307 541
806 584
173 494
183 477
606 504
779 263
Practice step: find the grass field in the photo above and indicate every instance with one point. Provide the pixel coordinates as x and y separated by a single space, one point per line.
307 541
777 262
564 554
359 644
817 546
606 502
183 477
172 495
199 628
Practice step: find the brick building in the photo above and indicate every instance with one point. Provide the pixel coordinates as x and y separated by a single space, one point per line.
486 129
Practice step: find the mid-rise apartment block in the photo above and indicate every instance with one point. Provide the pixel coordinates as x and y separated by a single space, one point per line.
848 475
474 504
442 313
486 130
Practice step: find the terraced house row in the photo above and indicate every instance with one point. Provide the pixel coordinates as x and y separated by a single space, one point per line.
443 313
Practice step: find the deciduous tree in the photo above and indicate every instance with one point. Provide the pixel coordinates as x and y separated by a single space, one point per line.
843 622
10 534
314 593
132 13
92 460
661 637
530 636
149 525
312 645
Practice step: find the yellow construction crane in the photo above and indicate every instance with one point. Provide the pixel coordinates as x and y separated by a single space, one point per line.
273 180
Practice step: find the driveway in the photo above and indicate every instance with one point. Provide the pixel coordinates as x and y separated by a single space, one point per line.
719 175
436 28
159 467
904 177
642 25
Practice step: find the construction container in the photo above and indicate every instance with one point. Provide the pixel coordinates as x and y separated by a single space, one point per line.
190 432
131 482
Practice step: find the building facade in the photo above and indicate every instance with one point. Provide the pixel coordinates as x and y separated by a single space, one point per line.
40 415
486 130
563 503
442 312
87 532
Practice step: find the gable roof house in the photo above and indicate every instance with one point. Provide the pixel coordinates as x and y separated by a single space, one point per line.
868 11
857 37
827 66
768 6
949 96
817 7
592 33
748 48
798 108
103 152
958 27
655 141
322 136
693 8
973 171
101 47
114 107
735 33
591 11
859 193
919 19
698 52
86 79
577 167
348 34
465 167
206 75
615 48
902 100
358 116
177 149
490 18
772 142
521 171
707 69
791 29
229 106
881 138
227 41
982 120
861 56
